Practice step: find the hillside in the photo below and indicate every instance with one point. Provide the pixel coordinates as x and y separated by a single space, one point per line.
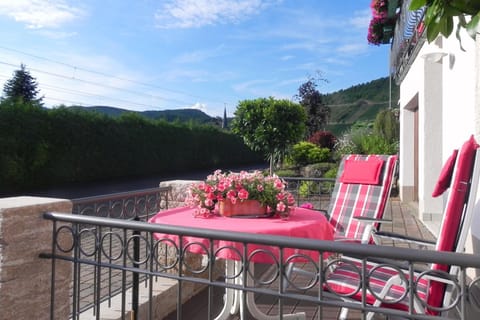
358 103
181 115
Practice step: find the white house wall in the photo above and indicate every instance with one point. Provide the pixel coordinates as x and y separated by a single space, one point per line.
444 93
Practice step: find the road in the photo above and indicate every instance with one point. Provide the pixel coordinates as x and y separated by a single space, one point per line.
80 190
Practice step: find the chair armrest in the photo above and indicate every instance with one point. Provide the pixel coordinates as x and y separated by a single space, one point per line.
389 262
403 238
367 219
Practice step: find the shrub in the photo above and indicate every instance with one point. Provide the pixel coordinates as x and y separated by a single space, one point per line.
328 186
323 139
308 188
287 173
363 141
304 153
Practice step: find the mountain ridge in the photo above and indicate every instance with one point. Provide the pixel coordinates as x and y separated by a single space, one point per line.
360 102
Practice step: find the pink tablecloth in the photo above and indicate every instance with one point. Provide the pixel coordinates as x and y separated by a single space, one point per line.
303 223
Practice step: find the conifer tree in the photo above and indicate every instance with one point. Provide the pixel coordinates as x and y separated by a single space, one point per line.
22 87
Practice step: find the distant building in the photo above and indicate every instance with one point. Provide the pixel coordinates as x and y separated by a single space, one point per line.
224 121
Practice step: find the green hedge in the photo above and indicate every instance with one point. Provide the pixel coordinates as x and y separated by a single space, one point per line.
45 147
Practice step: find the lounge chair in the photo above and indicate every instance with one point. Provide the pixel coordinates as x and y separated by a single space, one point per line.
386 285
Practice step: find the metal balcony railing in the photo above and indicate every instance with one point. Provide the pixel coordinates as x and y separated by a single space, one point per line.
111 253
69 244
91 283
407 40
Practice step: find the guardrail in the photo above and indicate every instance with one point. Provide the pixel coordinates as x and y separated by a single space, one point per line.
71 231
136 205
316 191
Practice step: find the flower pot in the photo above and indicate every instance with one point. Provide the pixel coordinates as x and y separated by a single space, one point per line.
241 208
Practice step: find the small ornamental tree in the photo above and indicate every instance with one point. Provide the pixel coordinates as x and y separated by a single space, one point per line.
22 87
269 126
311 100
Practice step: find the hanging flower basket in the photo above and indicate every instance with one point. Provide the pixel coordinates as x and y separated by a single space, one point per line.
380 30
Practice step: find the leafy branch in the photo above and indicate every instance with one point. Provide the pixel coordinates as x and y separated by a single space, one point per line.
440 14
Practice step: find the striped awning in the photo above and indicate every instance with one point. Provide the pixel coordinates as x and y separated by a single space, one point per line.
413 19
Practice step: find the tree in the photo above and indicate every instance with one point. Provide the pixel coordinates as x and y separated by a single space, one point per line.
22 87
269 126
311 100
387 126
440 13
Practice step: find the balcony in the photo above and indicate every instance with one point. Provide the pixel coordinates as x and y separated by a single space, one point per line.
97 273
408 39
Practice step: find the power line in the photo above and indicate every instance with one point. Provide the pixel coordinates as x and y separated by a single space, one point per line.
102 85
104 74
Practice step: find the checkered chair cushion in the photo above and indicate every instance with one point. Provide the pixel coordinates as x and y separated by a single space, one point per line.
350 199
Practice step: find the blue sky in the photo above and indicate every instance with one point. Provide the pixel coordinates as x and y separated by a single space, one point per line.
170 54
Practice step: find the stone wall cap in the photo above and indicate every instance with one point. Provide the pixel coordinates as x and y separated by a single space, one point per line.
176 182
22 201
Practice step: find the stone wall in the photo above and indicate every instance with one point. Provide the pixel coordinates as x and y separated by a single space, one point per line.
179 191
24 277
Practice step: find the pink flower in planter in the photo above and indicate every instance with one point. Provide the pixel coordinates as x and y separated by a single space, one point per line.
307 205
243 194
269 190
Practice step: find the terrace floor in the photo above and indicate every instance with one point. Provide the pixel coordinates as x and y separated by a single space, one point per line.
405 221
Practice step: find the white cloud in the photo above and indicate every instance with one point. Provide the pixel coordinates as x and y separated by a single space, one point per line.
199 55
250 86
361 19
353 48
38 14
199 106
56 35
198 13
287 57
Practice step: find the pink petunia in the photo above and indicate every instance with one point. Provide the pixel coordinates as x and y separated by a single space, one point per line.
243 194
280 196
208 202
278 184
231 194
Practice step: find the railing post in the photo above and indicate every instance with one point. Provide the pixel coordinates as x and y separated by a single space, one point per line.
135 276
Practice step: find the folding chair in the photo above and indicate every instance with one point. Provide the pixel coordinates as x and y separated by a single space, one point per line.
359 198
432 293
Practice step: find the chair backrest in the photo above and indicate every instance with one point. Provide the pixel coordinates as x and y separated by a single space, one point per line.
362 189
458 212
